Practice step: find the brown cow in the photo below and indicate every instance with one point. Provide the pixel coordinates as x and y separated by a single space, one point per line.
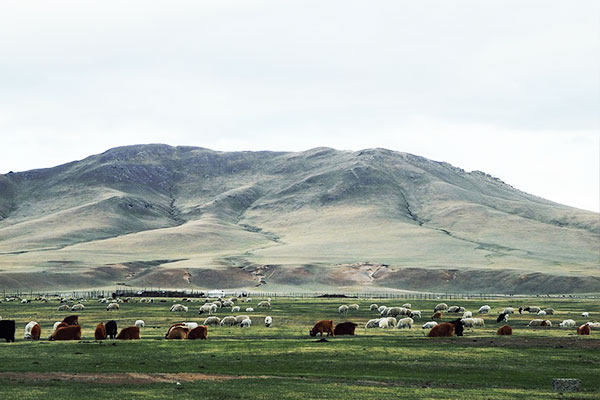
200 332
437 315
100 332
180 324
36 332
71 320
178 332
325 325
129 333
71 332
584 329
345 328
504 330
445 329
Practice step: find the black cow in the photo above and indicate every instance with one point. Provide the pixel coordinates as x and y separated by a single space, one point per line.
7 330
344 328
111 329
458 327
502 317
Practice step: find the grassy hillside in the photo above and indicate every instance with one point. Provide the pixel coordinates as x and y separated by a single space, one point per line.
373 219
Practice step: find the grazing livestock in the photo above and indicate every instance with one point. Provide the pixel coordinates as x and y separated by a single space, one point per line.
467 314
200 332
458 327
344 328
395 311
209 308
567 323
372 323
415 314
445 329
235 309
384 323
437 315
228 321
77 307
111 329
268 321
178 332
177 325
594 325
64 307
541 312
405 323
584 329
100 332
71 320
484 309
585 314
7 330
343 309
373 307
178 308
504 330
549 311
441 307
249 309
381 309
140 323
264 304
112 306
407 305
503 317
508 310
240 318
429 325
32 331
71 332
129 333
212 321
456 309
246 323
322 326
539 322
353 307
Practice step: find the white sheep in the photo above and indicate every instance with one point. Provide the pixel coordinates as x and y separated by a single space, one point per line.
440 307
407 305
429 325
264 304
246 323
372 323
343 309
268 321
64 307
228 321
77 307
373 307
585 314
415 314
478 322
381 309
541 312
539 322
353 307
533 310
112 306
212 321
383 323
140 323
240 318
207 308
235 309
467 314
28 329
594 325
405 323
484 309
567 323
508 310
178 308
249 309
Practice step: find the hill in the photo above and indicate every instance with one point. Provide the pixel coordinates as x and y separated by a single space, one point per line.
323 219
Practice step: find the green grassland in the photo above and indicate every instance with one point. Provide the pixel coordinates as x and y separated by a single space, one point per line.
284 362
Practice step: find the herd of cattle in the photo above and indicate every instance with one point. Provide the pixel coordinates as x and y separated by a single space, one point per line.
70 329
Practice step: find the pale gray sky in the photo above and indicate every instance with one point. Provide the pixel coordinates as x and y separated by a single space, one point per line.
508 87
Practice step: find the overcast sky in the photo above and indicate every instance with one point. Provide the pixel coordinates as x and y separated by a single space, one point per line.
508 87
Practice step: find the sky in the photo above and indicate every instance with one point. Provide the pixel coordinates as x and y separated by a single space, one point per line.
511 88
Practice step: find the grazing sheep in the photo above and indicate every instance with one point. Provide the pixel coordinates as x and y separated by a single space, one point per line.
456 309
541 312
268 321
380 309
549 311
112 306
77 307
353 307
407 305
584 329
228 321
405 323
372 323
212 321
246 323
373 307
467 314
585 314
384 323
249 309
594 325
508 310
478 322
228 303
567 323
208 308
264 304
504 330
539 322
484 309
437 315
178 308
415 314
468 322
343 309
235 309
440 307
429 325
240 318
395 311
503 317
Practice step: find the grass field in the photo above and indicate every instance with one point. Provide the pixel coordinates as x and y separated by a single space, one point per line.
284 362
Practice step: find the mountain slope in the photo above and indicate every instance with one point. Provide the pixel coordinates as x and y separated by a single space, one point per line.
320 219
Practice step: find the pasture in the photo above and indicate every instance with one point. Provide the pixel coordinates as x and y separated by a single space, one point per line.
284 362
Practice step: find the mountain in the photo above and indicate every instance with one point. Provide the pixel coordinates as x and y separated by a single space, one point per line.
322 219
